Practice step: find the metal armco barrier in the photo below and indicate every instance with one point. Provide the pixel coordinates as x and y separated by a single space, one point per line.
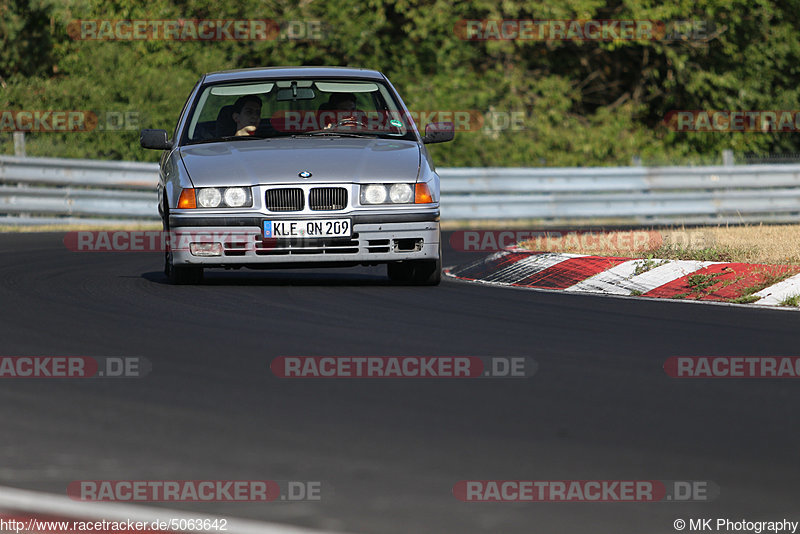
34 189
74 191
647 195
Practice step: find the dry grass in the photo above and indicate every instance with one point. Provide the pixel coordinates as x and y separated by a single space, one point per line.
770 244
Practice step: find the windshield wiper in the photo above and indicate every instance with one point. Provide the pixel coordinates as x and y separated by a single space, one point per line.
238 137
226 138
334 134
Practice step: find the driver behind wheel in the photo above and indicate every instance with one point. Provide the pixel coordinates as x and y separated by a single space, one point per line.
341 110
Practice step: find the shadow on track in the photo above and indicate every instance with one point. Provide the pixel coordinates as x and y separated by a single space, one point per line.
284 278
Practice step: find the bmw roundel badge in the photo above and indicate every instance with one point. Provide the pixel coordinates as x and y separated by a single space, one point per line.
304 174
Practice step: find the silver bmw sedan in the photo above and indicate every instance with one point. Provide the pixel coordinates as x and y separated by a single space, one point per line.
299 167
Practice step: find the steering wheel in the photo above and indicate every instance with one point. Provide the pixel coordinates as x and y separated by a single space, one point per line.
351 121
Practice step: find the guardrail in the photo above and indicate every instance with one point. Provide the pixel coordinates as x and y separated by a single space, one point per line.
46 190
644 195
51 190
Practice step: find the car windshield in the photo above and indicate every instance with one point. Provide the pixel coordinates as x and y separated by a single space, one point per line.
302 107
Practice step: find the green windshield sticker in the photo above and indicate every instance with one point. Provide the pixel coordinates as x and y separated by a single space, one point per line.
395 122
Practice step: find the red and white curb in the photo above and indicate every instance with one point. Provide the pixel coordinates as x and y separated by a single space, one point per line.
37 509
775 294
671 279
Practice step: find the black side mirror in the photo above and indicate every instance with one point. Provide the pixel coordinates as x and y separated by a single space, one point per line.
439 132
155 139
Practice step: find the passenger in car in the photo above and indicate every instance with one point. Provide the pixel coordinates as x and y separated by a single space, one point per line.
247 114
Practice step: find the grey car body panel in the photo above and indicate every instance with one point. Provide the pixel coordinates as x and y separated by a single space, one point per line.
279 160
266 73
250 219
391 232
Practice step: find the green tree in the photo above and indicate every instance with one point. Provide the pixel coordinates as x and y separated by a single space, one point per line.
583 102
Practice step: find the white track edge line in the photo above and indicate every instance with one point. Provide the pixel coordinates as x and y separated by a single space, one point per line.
49 504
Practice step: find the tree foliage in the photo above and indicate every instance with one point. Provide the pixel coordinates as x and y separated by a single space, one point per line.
583 102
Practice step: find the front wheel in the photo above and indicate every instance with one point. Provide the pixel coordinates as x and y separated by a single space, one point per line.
179 274
183 274
418 272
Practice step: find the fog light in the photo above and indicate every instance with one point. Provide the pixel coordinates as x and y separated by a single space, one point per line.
205 249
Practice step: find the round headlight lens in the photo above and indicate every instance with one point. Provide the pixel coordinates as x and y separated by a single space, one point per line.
209 198
235 197
401 194
374 194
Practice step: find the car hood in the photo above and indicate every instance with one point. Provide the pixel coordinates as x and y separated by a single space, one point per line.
328 159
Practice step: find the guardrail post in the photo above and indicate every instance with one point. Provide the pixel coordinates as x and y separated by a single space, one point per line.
19 144
727 158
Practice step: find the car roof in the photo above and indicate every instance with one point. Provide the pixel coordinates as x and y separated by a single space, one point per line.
291 72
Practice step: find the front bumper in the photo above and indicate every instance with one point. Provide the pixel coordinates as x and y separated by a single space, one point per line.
376 239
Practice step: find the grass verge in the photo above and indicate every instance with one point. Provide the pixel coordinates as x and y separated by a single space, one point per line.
764 244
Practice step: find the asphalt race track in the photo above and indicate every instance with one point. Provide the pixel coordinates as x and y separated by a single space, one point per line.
389 451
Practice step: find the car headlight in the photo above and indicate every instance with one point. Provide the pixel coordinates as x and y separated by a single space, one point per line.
219 197
387 194
401 194
209 197
373 194
235 197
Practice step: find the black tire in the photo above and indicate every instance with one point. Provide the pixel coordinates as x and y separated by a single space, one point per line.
399 271
417 272
184 274
179 274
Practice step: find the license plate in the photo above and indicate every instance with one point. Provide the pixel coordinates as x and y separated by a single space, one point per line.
310 229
